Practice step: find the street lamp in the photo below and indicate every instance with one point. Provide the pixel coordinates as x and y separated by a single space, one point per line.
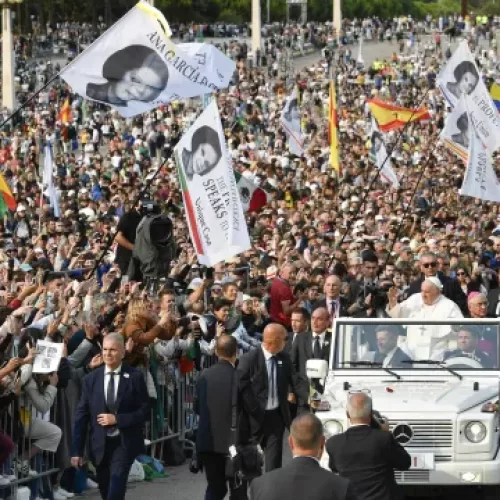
8 90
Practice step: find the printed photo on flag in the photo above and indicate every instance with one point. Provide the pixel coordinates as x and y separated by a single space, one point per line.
455 134
290 120
480 180
462 78
211 198
134 66
378 152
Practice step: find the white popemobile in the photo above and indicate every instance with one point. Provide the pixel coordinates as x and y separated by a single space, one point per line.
442 409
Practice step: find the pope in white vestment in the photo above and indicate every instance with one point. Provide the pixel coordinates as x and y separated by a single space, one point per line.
431 341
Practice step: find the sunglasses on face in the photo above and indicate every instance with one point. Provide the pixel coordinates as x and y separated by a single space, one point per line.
460 273
430 264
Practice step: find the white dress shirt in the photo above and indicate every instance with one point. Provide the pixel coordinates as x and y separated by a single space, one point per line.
107 377
117 382
272 403
321 339
388 358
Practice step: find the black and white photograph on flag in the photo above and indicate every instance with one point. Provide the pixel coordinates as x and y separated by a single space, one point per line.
217 65
456 134
480 180
135 67
204 154
378 152
290 120
212 202
461 78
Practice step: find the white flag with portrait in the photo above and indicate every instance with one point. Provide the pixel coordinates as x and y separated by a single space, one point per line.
211 198
290 121
461 77
212 59
480 180
455 134
378 153
135 67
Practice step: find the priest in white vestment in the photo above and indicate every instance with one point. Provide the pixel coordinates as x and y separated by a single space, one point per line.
431 341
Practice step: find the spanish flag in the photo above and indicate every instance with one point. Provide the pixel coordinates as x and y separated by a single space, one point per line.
7 201
390 117
333 126
64 115
495 94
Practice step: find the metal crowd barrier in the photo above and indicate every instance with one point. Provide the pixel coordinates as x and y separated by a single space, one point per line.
172 416
19 424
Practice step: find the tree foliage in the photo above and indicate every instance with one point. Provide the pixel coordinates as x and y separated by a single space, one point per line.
239 11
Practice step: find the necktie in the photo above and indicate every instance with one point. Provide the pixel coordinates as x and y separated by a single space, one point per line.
272 379
317 348
333 309
111 399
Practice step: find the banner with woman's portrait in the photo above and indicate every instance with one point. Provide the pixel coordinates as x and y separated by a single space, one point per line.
135 67
480 180
290 121
378 153
211 198
455 134
461 77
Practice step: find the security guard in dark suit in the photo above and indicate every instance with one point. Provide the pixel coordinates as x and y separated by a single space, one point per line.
468 341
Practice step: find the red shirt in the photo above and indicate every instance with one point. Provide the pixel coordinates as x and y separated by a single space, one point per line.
280 291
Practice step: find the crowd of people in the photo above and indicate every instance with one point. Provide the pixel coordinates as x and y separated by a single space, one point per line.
321 246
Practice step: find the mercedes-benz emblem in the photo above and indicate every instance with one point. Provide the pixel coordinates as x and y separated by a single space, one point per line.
403 433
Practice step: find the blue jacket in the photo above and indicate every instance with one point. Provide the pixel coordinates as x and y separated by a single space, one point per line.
132 412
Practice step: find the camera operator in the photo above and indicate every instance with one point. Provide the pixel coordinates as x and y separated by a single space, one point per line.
360 290
365 454
126 233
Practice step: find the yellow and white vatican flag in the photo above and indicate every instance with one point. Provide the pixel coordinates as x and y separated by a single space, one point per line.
134 66
214 211
480 180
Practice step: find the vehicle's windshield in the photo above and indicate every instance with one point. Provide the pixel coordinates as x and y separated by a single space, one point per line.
404 345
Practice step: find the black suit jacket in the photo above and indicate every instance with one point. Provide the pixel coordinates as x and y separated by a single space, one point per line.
255 386
132 412
451 290
213 405
368 457
322 303
398 360
303 478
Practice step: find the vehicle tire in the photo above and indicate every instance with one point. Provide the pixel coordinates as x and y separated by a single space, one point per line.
491 492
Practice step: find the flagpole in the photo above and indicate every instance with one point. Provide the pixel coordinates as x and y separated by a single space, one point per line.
389 154
408 208
53 79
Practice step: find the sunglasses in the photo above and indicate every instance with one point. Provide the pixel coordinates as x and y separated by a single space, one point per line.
460 273
430 264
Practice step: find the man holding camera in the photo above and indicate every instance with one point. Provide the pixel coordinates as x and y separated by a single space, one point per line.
367 452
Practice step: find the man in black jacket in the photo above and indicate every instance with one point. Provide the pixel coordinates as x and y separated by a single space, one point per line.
303 477
213 405
267 374
367 456
451 287
315 344
333 302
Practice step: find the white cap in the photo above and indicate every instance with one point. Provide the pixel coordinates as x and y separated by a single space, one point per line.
435 281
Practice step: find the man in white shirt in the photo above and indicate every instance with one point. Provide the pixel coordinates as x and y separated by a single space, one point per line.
426 342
